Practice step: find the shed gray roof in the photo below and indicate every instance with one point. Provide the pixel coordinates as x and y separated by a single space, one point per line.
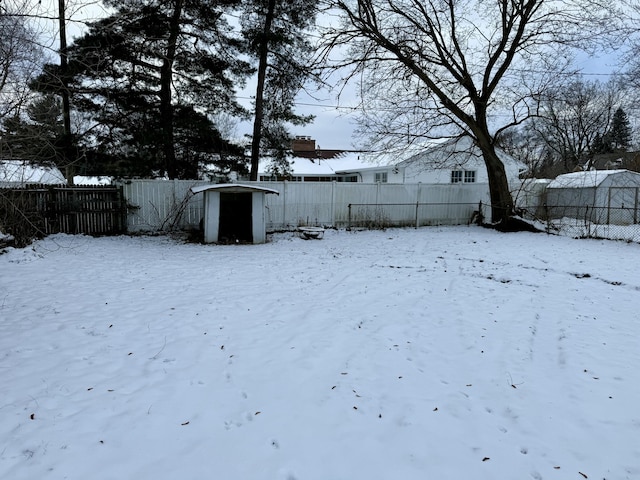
588 179
233 188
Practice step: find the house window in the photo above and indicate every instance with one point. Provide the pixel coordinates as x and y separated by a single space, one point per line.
381 177
460 176
320 179
469 176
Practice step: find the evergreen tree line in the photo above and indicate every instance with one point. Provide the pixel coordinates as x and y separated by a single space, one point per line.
153 89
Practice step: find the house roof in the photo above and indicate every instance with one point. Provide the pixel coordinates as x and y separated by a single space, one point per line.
320 154
22 172
453 152
618 160
233 188
588 179
444 154
342 163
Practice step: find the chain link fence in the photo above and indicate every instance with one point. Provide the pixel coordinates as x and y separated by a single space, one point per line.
615 223
586 221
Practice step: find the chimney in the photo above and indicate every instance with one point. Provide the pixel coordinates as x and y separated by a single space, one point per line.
303 144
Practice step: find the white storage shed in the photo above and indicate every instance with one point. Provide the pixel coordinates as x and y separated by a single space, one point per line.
234 213
599 196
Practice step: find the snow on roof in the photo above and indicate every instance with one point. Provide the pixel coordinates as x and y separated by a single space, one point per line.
588 179
87 180
345 162
453 152
22 172
458 150
234 188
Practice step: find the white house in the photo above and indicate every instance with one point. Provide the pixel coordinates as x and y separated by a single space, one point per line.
453 161
20 172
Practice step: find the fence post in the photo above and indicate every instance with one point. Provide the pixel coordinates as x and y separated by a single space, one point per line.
349 217
546 217
333 204
121 215
419 191
284 204
608 206
586 214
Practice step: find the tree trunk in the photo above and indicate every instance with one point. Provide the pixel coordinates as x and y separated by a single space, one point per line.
499 193
166 107
262 73
67 162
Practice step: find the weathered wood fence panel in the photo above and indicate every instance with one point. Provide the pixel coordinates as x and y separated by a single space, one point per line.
46 209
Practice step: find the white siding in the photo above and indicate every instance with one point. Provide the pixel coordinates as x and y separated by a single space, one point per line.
156 205
162 205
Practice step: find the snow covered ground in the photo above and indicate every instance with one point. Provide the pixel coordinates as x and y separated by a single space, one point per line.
437 353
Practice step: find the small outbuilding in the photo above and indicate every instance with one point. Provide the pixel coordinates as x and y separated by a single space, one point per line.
599 196
18 173
234 213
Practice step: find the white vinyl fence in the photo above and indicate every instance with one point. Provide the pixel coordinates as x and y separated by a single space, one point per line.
161 205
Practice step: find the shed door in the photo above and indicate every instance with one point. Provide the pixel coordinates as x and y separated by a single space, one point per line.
623 205
235 218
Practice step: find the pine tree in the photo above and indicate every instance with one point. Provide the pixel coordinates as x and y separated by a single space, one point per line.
275 34
601 144
151 76
620 133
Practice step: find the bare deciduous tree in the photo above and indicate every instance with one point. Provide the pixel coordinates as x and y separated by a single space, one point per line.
20 57
573 118
432 68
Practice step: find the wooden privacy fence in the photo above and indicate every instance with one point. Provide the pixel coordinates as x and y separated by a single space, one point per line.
46 209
